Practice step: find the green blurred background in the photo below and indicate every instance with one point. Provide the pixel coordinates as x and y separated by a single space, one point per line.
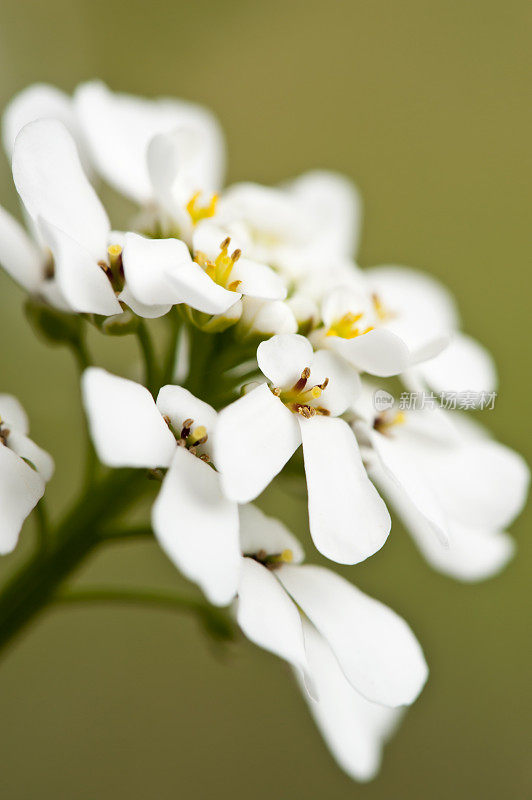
425 105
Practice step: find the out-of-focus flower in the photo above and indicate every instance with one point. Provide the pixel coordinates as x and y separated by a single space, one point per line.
167 155
257 434
454 487
24 471
313 218
416 307
194 523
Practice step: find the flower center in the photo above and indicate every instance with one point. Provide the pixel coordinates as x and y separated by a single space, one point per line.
385 423
272 561
347 327
221 268
4 433
301 398
380 309
197 212
191 438
113 267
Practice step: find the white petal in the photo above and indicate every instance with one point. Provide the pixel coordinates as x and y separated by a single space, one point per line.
13 414
267 317
344 382
348 519
179 404
145 310
354 729
163 166
197 527
51 182
473 554
258 280
399 462
352 298
254 438
119 128
162 271
283 358
82 282
465 365
260 532
19 256
378 352
28 450
126 426
334 204
38 101
268 617
483 484
421 309
21 488
376 650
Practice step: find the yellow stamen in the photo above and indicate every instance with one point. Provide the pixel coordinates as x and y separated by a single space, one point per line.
221 268
380 309
114 252
346 327
199 433
286 557
388 420
197 212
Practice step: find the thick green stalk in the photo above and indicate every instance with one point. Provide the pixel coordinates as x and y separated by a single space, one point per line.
31 589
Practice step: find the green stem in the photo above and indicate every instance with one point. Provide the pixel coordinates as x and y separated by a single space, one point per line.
215 620
83 360
41 519
148 354
138 532
30 590
176 322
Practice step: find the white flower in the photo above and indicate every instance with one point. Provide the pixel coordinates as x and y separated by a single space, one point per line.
417 308
354 729
42 101
257 434
24 470
455 489
166 154
313 218
349 651
68 220
352 329
161 271
194 523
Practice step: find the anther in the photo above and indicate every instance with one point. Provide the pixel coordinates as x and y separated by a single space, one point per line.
302 382
225 244
185 430
236 255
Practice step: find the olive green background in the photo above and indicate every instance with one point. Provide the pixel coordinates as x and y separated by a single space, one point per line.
425 105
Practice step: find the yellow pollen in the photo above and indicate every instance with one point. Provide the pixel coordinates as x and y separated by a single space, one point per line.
199 432
197 212
388 420
286 557
221 268
346 327
300 397
380 309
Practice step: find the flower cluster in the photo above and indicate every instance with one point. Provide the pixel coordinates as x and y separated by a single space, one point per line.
281 339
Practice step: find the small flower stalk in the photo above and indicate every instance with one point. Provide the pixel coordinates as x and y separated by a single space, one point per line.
277 355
